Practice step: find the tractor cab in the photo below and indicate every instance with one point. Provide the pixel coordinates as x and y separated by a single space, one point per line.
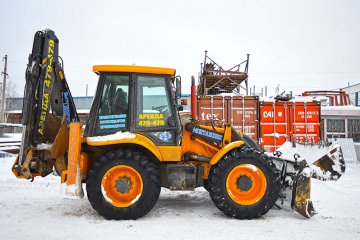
136 99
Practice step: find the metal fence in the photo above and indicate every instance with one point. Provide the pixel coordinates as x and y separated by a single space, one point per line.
341 128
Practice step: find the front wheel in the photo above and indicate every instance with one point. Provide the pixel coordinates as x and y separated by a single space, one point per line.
245 184
123 184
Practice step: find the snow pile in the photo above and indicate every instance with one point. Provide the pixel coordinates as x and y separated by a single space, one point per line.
112 137
44 146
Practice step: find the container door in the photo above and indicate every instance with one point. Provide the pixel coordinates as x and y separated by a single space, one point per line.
211 107
243 114
305 121
274 119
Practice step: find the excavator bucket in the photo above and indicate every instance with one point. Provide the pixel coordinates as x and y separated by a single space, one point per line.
51 153
305 161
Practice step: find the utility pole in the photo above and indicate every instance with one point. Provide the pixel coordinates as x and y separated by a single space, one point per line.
266 91
2 117
87 87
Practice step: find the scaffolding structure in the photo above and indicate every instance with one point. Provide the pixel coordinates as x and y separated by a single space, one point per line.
214 79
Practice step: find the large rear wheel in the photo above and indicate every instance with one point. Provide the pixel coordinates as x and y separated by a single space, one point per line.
123 184
245 184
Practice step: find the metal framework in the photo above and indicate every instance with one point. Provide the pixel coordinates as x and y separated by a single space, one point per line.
214 79
336 98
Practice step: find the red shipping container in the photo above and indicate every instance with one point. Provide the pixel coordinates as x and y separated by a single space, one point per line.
241 112
306 121
299 120
274 124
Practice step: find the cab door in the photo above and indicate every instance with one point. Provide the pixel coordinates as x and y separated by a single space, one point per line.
155 115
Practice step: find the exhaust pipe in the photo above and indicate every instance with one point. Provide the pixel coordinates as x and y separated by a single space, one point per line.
193 99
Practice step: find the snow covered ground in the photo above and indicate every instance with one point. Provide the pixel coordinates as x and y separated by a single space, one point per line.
38 211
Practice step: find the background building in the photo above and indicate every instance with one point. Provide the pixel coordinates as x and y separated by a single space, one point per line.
353 92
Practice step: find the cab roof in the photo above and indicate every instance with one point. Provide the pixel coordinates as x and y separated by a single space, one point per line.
134 69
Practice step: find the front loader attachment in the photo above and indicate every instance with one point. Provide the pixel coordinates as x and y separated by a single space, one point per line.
300 162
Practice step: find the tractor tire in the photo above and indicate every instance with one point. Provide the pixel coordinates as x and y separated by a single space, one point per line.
244 184
206 184
123 184
251 142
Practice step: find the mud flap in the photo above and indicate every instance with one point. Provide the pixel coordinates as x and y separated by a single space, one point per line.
301 201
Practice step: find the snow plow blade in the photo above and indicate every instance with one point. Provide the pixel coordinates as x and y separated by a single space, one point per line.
301 201
301 162
329 167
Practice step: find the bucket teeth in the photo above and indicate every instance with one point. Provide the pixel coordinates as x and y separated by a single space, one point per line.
306 209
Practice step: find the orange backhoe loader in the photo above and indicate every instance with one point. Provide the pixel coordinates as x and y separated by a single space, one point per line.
134 143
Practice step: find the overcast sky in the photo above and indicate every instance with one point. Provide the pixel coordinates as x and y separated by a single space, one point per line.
301 45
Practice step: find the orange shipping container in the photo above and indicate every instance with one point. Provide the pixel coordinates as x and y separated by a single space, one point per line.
241 112
299 120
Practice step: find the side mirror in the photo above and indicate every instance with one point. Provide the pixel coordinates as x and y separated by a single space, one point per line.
178 87
184 102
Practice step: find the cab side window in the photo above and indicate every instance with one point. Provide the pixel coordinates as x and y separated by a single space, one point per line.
114 107
153 108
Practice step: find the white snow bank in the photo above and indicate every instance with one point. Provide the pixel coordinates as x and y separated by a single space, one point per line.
11 137
38 211
112 137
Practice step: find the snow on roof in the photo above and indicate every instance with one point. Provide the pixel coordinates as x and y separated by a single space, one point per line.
230 94
14 111
10 125
340 110
294 99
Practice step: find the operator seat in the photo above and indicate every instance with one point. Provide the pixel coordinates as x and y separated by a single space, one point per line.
120 105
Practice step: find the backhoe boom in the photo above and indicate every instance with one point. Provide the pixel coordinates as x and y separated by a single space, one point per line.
46 88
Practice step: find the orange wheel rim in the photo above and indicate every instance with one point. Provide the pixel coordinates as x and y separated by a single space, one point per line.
122 186
246 184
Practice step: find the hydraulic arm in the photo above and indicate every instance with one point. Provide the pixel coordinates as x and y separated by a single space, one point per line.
45 133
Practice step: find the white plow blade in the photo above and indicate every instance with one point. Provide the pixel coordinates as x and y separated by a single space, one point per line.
326 162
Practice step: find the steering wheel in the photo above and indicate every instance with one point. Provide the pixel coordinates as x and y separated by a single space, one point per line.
161 108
